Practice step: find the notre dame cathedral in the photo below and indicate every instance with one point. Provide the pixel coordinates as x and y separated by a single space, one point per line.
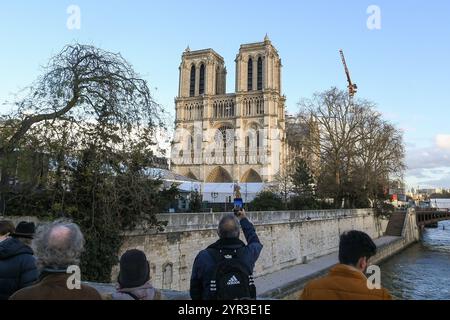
223 137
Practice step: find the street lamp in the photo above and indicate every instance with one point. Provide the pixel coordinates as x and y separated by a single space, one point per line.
214 196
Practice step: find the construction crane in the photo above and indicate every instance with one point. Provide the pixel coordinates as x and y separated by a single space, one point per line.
352 87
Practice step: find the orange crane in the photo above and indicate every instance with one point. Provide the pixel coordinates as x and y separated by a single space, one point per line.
352 87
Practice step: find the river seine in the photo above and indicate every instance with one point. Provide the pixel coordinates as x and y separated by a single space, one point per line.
421 272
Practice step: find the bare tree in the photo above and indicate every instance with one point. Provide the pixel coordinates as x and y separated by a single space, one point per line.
357 149
83 84
380 155
95 120
338 120
283 181
85 96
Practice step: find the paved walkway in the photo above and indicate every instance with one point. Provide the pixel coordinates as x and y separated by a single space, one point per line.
280 282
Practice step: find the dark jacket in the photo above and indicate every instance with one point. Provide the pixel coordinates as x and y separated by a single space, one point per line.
343 283
204 263
17 267
53 286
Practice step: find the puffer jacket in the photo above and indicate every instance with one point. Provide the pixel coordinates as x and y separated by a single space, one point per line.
17 267
145 292
343 283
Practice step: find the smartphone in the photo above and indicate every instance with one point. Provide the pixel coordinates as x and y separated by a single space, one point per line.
238 203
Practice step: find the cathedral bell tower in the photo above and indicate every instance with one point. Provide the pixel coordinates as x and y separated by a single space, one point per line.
228 138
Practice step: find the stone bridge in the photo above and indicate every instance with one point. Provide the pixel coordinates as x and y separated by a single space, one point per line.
430 217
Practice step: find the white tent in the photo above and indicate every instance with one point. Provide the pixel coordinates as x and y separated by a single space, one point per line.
224 192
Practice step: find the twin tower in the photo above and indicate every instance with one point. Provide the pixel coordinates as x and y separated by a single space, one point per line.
229 138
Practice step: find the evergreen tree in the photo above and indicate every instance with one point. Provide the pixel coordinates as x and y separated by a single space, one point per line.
302 180
266 201
195 202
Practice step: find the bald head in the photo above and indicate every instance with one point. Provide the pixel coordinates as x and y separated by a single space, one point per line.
58 244
59 236
229 227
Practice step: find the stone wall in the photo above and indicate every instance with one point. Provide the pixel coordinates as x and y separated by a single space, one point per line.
390 246
17 219
289 238
410 235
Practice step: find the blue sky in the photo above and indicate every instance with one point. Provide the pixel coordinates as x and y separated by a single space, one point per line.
404 67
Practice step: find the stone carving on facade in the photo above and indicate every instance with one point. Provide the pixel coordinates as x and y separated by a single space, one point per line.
235 108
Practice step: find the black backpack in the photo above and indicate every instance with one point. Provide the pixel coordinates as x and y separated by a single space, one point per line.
231 279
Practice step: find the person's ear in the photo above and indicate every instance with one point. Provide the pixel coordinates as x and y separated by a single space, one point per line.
362 264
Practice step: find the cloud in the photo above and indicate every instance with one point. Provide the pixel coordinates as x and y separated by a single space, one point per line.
429 178
430 165
418 173
443 141
427 158
443 182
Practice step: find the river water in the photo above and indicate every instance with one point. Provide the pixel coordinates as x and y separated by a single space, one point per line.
421 272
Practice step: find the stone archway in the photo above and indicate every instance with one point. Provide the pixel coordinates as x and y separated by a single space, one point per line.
191 175
251 176
219 175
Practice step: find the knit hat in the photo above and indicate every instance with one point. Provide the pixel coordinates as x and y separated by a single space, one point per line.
134 269
25 230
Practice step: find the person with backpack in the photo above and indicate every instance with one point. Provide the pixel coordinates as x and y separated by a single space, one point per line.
224 271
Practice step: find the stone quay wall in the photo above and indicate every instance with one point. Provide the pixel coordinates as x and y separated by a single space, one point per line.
289 238
410 235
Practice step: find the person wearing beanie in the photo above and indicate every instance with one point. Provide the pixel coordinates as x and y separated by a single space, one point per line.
134 278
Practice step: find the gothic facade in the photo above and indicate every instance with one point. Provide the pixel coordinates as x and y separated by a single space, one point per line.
237 137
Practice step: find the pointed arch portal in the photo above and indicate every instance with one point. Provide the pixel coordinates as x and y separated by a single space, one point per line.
219 175
191 175
251 176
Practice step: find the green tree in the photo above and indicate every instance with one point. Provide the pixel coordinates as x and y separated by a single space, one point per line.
266 201
303 187
302 180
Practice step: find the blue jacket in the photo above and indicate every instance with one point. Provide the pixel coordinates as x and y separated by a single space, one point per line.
204 263
17 267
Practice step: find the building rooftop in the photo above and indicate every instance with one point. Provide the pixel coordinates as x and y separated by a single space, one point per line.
167 175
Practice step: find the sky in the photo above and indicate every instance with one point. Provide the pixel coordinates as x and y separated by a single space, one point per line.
400 58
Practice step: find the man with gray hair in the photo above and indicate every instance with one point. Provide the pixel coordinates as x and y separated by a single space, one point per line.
58 246
224 271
